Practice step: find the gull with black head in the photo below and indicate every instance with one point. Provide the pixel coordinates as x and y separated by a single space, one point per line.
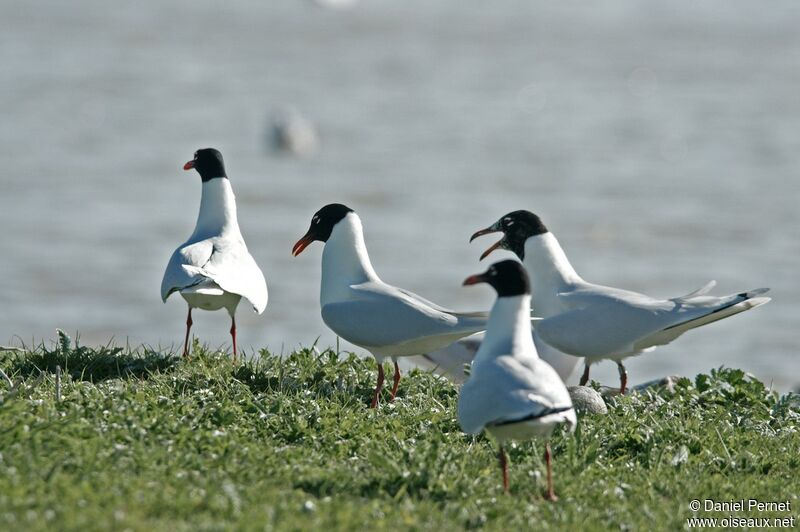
512 393
601 322
358 306
213 269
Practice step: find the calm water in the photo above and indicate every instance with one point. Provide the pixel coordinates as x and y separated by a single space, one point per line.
660 143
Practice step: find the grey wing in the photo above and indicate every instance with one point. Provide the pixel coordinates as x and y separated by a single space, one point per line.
184 268
594 294
480 314
380 321
416 298
607 321
607 327
506 389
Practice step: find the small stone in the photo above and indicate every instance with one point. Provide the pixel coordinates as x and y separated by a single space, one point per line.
681 456
587 400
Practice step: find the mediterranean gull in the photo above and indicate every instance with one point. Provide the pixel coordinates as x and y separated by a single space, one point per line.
600 322
213 269
512 393
385 320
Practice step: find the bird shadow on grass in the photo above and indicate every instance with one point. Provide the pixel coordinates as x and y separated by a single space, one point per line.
326 374
393 486
93 364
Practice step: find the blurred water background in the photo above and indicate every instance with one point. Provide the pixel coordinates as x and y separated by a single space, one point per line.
659 141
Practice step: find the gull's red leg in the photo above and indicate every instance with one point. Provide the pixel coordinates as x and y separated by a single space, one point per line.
186 340
504 467
378 387
551 495
396 379
233 336
623 378
585 376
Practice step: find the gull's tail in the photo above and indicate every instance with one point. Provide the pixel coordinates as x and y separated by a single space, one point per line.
707 310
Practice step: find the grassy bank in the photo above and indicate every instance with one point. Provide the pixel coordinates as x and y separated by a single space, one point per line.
145 441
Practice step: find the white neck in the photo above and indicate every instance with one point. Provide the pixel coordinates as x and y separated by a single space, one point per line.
217 214
345 260
509 328
550 272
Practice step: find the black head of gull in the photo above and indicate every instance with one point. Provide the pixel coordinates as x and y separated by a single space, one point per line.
507 277
517 227
322 224
208 163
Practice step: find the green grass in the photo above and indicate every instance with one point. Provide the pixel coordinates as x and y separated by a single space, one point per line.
143 440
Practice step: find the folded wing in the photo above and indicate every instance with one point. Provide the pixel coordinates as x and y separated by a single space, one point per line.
184 268
382 315
605 321
507 389
226 263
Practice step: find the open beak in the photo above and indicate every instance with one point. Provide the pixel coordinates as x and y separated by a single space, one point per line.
303 243
474 279
491 229
496 245
189 165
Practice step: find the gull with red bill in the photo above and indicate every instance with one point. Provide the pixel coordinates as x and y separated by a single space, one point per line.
601 322
213 268
387 321
511 393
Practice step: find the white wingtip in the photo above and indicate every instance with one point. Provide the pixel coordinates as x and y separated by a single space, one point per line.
756 302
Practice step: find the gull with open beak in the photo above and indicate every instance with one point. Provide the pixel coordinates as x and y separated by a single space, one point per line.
600 322
512 393
387 321
213 269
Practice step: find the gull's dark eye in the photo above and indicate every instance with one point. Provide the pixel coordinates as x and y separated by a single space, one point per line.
315 220
492 272
508 222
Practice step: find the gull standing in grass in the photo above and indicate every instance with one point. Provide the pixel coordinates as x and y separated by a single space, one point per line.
600 322
213 269
385 320
512 393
